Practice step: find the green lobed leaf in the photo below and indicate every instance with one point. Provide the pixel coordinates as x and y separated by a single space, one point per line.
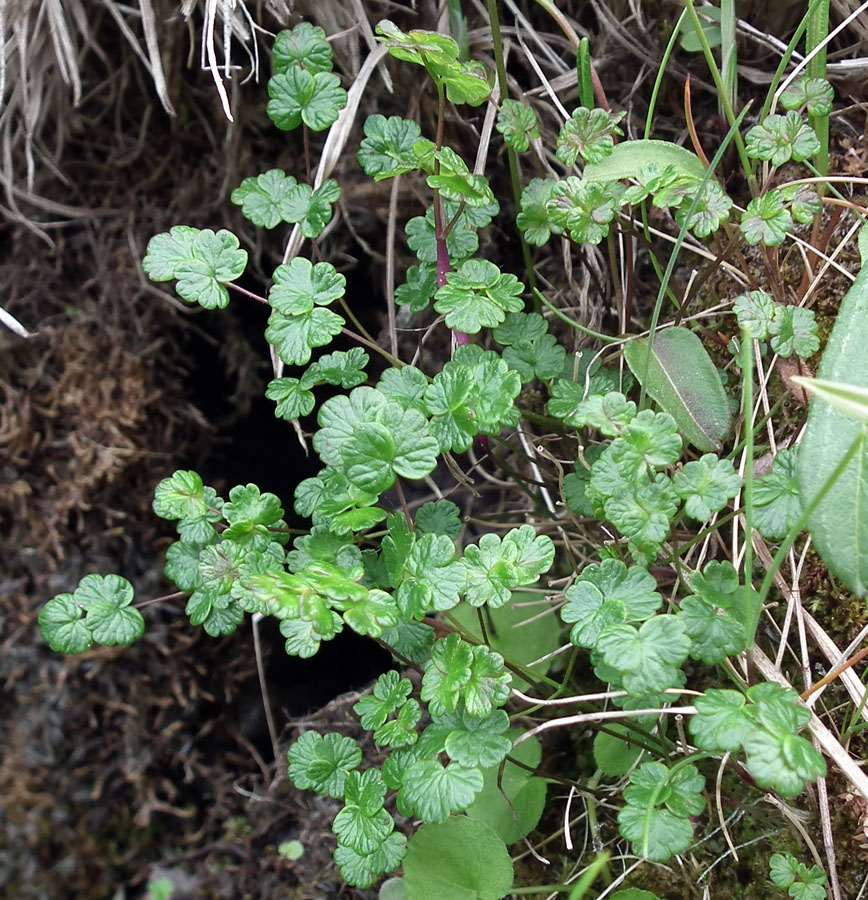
778 139
588 133
304 45
706 484
387 148
300 285
478 741
766 220
109 617
363 869
754 311
495 567
794 330
722 720
62 626
297 96
419 289
516 631
434 791
777 502
322 762
517 122
582 208
295 336
533 218
648 658
478 295
442 517
417 46
201 262
543 358
363 824
519 327
293 400
815 94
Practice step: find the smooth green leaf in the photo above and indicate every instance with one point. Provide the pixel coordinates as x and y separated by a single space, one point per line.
691 42
526 793
629 157
439 865
839 527
613 752
679 374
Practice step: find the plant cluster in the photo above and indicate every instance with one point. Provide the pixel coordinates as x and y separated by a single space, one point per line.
658 481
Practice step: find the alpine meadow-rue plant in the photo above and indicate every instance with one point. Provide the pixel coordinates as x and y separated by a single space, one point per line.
643 456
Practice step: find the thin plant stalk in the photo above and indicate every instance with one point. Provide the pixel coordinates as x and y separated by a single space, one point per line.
728 50
511 155
728 110
815 37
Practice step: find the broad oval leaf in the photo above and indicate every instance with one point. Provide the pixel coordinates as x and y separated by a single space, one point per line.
629 157
846 398
681 377
459 859
839 525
